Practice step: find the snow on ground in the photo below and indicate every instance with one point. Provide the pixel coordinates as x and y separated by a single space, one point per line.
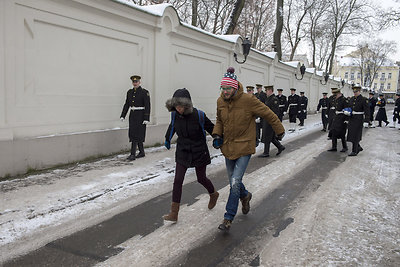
353 218
40 208
37 209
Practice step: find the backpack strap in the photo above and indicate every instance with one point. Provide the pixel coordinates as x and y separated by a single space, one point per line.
171 133
201 120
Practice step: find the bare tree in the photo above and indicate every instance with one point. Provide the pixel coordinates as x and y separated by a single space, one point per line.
346 17
278 29
296 11
370 56
234 17
390 17
194 12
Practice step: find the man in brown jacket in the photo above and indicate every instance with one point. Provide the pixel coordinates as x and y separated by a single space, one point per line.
235 133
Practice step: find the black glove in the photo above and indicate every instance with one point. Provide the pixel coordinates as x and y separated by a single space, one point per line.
280 136
217 142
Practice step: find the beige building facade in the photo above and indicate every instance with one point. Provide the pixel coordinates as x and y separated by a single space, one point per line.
385 80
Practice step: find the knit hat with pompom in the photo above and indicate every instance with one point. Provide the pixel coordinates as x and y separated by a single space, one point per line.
230 79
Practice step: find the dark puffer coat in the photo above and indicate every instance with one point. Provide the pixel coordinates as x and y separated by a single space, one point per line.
191 148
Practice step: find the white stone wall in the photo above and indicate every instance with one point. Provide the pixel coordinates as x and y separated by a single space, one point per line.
65 68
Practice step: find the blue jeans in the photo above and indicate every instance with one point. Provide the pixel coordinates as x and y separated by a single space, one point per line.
236 169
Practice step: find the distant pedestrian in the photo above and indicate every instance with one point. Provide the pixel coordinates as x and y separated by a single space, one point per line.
293 108
190 125
323 105
339 125
358 115
262 97
302 113
381 115
371 104
268 134
138 101
234 133
396 111
282 100
331 110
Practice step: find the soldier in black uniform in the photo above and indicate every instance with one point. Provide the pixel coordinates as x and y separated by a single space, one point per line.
331 110
138 101
323 105
359 113
262 97
396 111
302 113
372 104
250 89
268 134
282 101
381 115
339 125
292 107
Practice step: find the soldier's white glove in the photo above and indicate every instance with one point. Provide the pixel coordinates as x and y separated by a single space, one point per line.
326 116
146 122
284 113
366 124
317 112
258 120
122 119
347 113
299 111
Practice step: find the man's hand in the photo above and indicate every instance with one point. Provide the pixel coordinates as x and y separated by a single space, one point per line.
217 142
122 119
280 136
146 122
258 120
167 144
366 124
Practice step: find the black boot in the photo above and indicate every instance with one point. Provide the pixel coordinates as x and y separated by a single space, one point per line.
354 150
266 151
344 145
132 156
334 145
141 150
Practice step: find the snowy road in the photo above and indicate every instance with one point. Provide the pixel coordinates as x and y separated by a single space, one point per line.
315 226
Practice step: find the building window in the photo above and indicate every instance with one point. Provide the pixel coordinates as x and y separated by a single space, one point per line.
383 76
388 86
346 75
352 76
375 85
376 75
382 86
389 75
359 75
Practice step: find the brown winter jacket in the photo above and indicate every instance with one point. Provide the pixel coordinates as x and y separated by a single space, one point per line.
236 123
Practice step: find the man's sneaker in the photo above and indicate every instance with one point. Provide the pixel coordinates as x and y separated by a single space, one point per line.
246 203
225 225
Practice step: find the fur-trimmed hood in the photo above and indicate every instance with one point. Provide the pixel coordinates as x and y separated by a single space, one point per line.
181 97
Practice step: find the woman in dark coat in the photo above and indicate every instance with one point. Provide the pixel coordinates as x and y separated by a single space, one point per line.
381 115
191 150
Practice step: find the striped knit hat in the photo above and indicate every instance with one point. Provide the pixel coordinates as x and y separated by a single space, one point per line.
230 79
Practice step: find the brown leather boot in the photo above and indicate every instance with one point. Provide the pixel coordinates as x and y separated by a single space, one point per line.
213 200
173 215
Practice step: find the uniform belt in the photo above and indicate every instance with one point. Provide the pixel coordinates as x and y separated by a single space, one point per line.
358 112
281 106
339 112
137 108
333 108
324 107
302 104
292 104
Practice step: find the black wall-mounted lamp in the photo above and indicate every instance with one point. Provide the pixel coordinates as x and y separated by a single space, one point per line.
326 78
302 71
246 45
